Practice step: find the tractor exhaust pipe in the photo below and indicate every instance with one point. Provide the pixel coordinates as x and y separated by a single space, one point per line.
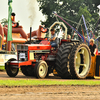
30 34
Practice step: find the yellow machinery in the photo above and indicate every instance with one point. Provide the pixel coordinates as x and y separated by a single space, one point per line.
95 67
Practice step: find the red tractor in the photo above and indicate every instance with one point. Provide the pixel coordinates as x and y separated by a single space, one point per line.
70 59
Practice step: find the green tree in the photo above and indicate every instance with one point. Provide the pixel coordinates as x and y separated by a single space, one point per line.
4 21
69 9
83 10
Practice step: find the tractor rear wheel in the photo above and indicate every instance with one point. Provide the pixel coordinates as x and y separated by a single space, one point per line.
41 69
80 60
62 60
11 71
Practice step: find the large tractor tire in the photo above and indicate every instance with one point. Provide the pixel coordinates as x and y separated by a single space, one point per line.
80 61
41 69
11 71
27 70
62 60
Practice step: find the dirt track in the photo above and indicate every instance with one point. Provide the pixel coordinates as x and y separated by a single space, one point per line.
51 93
47 92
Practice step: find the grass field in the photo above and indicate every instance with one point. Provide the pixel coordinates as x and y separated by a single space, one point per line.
2 68
47 82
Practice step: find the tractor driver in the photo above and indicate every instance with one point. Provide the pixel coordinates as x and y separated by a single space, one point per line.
92 47
53 38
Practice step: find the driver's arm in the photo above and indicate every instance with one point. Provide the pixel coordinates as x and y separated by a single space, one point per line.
53 38
95 51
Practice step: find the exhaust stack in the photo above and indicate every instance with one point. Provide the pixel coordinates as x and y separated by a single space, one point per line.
30 34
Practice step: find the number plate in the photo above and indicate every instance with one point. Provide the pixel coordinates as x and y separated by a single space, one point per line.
22 55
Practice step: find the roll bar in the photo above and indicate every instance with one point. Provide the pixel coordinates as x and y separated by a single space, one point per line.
60 23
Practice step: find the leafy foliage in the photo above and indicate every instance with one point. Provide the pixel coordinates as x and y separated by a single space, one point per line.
69 9
4 21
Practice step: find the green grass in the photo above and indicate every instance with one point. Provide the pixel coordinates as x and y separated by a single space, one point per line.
47 82
2 68
36 82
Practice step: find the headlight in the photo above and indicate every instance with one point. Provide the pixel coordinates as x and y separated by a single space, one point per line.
31 55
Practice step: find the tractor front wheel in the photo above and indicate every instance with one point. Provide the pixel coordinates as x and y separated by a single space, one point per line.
41 69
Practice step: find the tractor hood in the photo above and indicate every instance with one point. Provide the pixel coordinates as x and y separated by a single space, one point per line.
39 47
33 47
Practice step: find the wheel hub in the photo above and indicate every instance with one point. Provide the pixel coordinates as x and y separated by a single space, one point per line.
82 61
42 70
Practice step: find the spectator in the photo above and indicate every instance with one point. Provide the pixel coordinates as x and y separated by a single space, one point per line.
68 37
92 47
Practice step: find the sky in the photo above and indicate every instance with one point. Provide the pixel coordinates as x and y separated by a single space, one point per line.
21 8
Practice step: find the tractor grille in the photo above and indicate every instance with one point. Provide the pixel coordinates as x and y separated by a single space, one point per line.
22 47
22 55
22 52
